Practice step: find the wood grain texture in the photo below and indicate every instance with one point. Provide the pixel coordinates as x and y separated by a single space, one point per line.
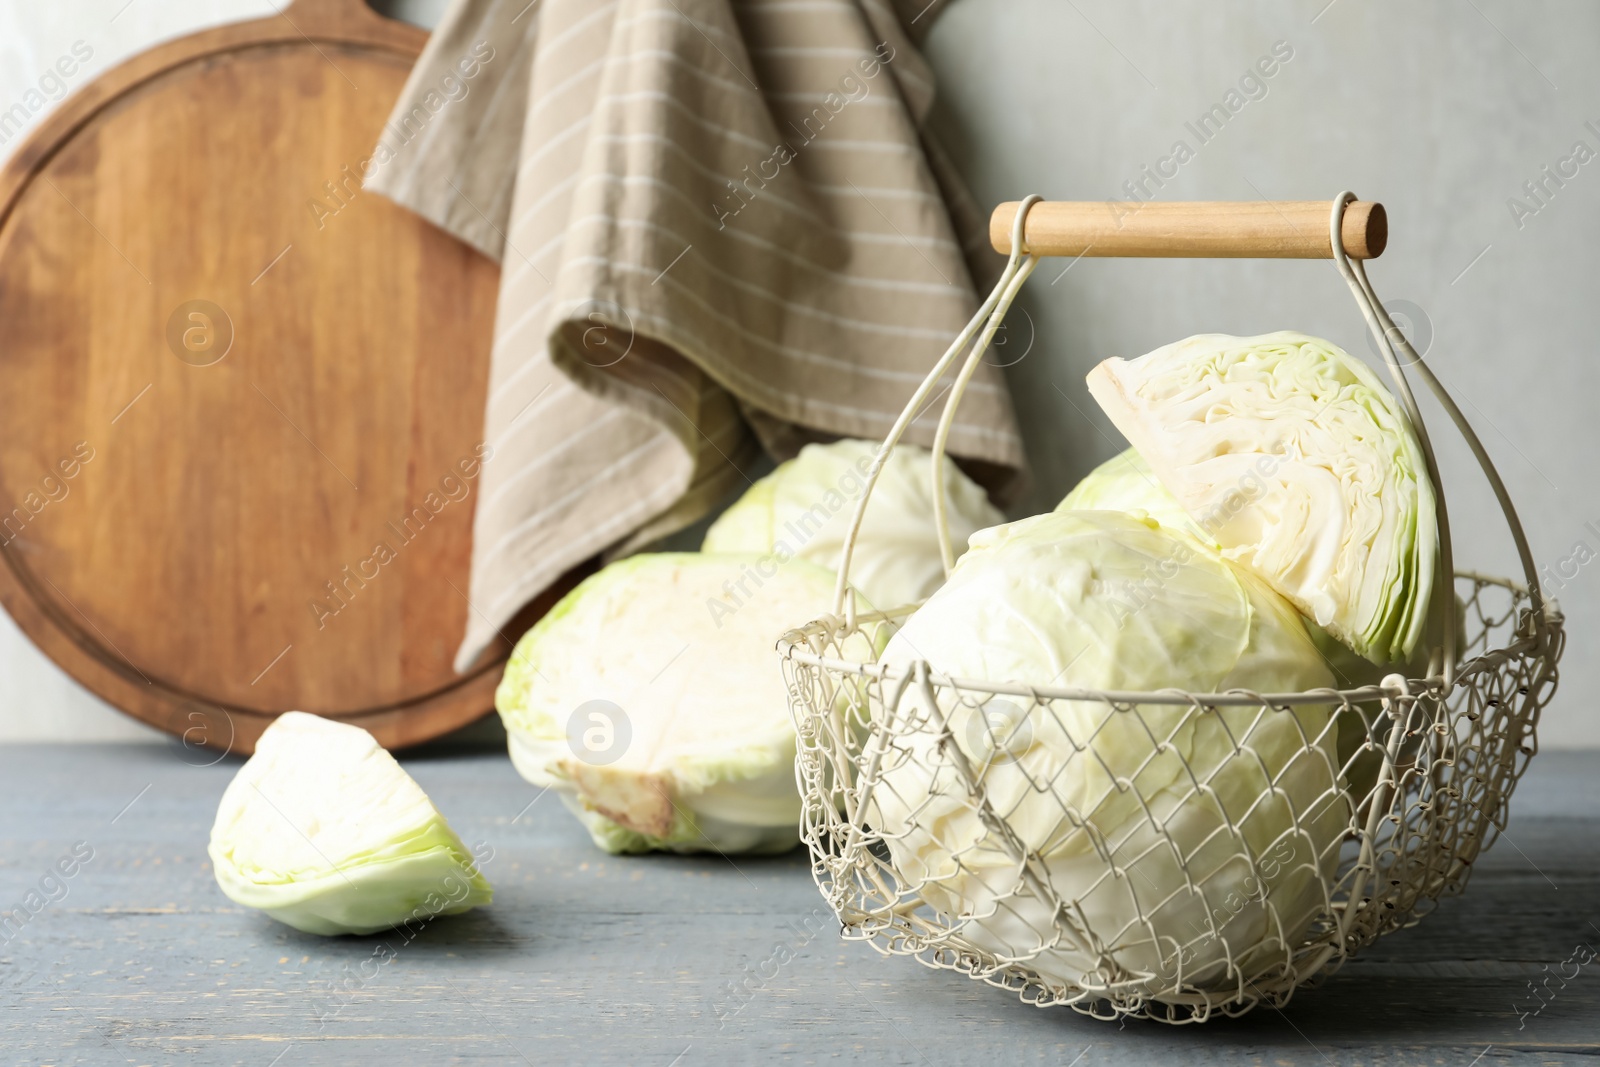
588 958
208 537
1218 229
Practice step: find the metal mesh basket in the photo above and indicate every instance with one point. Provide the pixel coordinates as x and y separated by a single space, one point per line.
1348 812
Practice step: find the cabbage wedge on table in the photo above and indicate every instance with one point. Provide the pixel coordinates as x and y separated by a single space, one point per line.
323 830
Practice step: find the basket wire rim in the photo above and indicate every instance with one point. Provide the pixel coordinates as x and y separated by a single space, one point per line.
794 645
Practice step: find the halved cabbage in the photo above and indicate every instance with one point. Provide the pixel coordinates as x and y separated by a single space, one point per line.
1295 458
652 700
1190 845
323 830
803 508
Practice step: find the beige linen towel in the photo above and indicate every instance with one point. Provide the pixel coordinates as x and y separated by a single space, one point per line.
717 224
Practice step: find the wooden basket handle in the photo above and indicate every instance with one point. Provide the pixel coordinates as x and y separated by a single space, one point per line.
1217 229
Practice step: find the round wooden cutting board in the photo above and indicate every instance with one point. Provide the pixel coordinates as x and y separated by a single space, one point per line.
241 401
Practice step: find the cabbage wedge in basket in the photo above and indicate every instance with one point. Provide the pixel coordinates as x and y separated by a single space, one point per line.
1292 456
323 830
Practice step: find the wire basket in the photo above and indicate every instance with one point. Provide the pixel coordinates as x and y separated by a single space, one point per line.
1369 804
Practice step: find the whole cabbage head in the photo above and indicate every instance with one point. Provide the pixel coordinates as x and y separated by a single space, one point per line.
323 830
804 507
1125 482
652 700
1191 846
1295 458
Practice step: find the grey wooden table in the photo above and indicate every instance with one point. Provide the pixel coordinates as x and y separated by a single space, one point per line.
588 958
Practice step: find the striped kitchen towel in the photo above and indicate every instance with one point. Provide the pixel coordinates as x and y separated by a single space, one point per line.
721 228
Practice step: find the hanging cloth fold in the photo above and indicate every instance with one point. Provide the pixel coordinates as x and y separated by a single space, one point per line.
720 227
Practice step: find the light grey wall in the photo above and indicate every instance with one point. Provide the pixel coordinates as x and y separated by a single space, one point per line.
1442 111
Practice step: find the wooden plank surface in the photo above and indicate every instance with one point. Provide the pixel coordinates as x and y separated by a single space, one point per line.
588 958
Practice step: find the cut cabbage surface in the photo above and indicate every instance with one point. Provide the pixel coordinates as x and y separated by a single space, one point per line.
1166 887
323 830
1126 483
652 699
1294 457
804 507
